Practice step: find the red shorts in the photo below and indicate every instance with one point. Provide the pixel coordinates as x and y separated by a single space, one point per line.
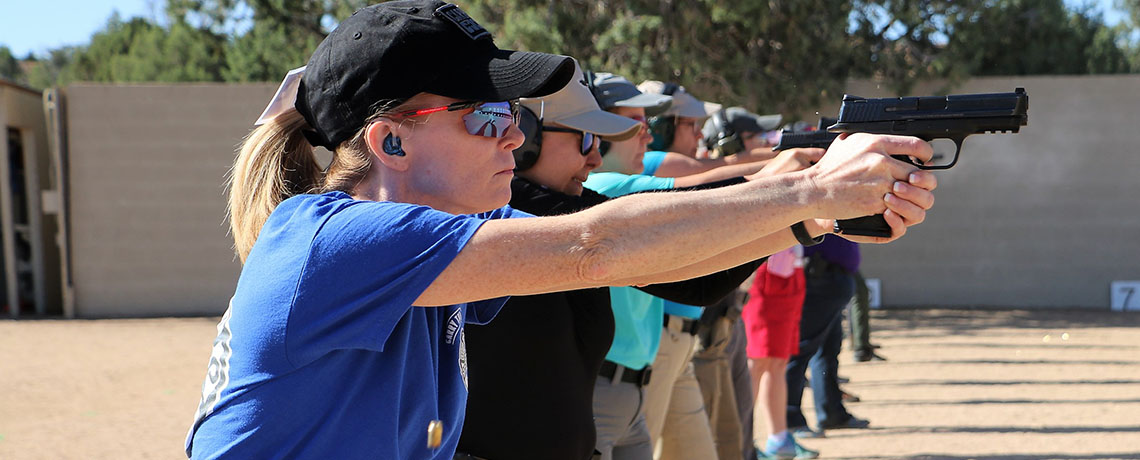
772 314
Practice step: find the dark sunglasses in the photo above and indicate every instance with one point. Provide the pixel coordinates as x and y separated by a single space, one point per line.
489 119
588 139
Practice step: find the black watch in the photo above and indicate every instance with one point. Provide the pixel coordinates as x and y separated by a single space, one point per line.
804 237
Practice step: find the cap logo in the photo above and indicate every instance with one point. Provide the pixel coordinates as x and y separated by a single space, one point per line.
462 21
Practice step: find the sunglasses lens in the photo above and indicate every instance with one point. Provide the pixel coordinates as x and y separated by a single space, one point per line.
773 137
587 143
491 119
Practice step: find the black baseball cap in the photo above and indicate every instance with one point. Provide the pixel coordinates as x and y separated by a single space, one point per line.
395 50
743 121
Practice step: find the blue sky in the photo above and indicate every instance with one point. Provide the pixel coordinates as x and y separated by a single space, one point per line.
41 25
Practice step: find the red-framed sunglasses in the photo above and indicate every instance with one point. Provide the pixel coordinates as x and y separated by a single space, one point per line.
489 119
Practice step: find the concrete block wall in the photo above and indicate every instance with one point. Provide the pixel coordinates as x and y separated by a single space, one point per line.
147 171
1044 218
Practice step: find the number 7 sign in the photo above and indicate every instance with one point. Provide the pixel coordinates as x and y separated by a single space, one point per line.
1125 295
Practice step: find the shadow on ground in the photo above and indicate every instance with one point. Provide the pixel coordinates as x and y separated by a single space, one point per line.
1007 429
940 323
898 402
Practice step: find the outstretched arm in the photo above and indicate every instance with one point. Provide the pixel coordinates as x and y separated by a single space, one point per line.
677 165
624 240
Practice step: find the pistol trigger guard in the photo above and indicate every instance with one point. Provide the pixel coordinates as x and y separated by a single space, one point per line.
958 141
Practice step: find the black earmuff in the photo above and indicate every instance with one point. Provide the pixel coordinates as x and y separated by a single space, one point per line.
392 146
664 127
604 147
527 153
726 138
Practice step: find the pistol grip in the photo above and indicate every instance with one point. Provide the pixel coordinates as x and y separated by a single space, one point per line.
874 225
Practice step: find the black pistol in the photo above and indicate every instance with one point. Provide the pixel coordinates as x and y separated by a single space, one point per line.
951 117
816 139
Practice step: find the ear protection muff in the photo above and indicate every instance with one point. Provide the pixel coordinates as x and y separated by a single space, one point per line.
727 140
663 127
590 76
527 153
604 147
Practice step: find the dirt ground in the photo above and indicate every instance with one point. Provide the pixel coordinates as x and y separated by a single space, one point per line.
994 385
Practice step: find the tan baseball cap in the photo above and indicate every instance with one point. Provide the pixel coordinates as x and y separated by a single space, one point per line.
684 104
574 107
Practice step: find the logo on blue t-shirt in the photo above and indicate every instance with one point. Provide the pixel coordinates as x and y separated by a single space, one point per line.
454 328
217 374
454 323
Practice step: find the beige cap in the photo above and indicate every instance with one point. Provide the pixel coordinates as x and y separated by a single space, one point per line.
684 104
574 107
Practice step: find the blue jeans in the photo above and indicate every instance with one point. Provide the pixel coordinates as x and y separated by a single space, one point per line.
821 337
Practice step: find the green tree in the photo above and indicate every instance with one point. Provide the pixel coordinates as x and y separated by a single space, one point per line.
10 67
138 50
771 56
902 42
1132 7
55 70
1131 30
1038 37
768 55
267 37
267 51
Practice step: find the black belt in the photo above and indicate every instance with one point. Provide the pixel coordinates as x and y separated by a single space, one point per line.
639 378
687 325
818 266
463 456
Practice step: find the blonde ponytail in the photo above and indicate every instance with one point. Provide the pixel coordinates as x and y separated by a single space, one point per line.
275 162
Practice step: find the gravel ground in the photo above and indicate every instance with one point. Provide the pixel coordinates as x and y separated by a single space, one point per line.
980 384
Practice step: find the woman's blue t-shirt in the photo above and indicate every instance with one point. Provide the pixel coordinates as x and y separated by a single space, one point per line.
321 354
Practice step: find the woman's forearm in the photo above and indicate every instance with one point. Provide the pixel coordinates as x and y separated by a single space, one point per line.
762 247
620 240
657 233
716 174
633 235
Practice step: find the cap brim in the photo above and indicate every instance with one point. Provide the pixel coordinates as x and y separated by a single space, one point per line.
769 122
685 105
654 104
507 75
711 108
755 123
610 126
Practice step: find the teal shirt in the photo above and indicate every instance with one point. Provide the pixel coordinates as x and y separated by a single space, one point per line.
637 316
651 161
637 327
682 310
614 184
